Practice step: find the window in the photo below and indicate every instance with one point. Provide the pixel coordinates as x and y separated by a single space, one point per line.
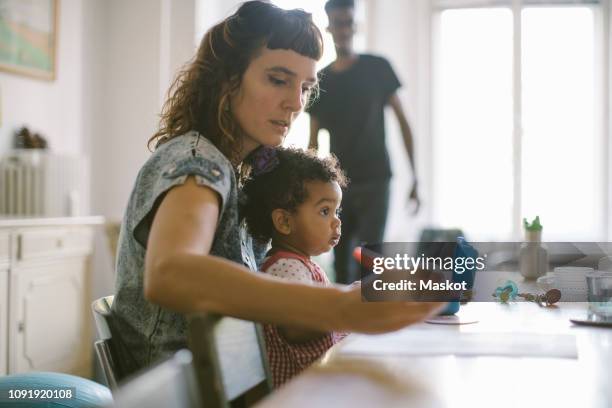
518 124
473 127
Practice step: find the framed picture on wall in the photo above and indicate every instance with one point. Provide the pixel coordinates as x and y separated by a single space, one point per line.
28 37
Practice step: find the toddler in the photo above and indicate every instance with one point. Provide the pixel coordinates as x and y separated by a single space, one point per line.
295 200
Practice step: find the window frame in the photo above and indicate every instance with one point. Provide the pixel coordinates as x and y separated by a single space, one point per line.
601 10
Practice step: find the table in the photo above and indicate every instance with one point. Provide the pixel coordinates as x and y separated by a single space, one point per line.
342 379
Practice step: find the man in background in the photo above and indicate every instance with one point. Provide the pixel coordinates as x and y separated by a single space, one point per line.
355 89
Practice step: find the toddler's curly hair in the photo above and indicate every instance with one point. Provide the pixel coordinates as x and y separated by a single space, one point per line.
284 186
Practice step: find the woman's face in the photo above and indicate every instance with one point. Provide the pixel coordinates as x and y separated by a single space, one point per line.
274 89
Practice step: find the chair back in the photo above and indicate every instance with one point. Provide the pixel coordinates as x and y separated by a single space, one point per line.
101 310
168 384
112 230
107 347
229 358
440 234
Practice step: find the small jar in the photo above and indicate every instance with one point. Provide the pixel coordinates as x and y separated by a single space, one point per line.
533 256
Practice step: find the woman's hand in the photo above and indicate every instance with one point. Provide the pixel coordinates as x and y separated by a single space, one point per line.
379 317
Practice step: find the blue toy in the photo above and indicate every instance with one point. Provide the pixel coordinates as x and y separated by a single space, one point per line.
462 250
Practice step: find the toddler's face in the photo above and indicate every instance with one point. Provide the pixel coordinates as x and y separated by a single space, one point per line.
316 222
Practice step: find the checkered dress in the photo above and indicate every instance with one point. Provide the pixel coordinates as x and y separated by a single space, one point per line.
289 359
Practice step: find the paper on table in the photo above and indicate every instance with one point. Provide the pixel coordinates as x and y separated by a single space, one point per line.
433 342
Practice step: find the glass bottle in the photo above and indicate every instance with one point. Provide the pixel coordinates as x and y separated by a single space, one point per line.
533 256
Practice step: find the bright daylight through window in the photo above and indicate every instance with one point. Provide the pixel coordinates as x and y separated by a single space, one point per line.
517 130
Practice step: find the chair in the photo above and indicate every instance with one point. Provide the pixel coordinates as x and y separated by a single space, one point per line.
440 235
169 384
106 347
229 359
112 230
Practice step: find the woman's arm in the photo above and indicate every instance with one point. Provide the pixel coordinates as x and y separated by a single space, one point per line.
182 276
296 335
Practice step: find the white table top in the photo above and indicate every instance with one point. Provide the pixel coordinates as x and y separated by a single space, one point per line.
343 379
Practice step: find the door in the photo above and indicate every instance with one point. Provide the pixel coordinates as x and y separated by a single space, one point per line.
50 318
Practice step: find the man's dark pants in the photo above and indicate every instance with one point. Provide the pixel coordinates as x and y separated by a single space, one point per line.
364 215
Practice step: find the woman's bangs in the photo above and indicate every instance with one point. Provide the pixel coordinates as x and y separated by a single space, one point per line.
298 34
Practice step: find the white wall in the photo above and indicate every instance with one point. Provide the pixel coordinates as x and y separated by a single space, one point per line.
115 61
210 12
129 100
53 108
400 31
137 46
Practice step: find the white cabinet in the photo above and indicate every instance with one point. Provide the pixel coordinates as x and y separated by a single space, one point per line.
4 291
50 322
3 320
48 284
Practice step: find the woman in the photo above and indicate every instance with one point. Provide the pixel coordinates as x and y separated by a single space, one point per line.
183 247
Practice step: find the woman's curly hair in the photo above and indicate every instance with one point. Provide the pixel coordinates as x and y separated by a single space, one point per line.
199 97
285 186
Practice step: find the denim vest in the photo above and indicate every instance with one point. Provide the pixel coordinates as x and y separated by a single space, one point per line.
147 331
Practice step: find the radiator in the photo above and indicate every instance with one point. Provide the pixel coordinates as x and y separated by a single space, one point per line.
36 183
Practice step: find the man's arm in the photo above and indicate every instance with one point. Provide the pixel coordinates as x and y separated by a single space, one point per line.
408 139
314 133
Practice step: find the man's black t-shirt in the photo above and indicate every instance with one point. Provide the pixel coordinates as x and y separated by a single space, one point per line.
351 107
